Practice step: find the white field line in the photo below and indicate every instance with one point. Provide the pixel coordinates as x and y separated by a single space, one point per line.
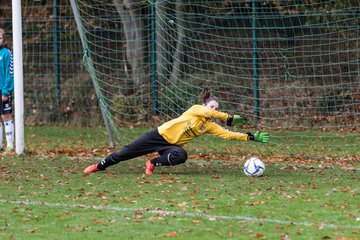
180 214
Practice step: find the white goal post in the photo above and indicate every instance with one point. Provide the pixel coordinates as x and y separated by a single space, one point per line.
18 77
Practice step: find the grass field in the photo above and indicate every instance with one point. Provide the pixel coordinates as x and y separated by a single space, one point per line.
44 195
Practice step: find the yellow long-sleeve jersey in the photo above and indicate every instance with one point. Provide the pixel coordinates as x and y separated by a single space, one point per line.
195 122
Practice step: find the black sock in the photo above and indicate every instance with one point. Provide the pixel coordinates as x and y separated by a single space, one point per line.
106 162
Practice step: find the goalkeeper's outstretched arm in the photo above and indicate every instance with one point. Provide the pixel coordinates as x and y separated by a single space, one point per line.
219 131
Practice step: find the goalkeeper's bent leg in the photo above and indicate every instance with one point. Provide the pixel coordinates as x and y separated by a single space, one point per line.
149 142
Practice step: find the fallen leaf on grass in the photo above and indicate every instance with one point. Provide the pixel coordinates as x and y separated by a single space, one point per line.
156 218
171 234
284 237
293 168
215 177
183 204
258 235
33 230
95 221
195 222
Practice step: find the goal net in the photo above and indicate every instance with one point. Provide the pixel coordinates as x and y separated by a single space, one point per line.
291 68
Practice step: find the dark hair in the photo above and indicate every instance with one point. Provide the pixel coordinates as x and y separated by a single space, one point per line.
206 96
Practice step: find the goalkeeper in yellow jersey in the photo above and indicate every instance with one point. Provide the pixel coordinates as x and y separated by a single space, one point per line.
169 138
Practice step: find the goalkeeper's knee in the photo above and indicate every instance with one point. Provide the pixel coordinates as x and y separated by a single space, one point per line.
177 156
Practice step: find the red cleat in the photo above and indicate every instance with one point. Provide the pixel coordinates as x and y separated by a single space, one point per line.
149 167
91 168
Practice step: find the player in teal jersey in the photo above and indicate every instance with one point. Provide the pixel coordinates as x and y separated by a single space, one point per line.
6 87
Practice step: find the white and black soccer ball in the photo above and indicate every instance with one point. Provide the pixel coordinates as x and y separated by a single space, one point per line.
254 167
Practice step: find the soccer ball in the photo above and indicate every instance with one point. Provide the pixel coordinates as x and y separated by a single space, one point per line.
254 167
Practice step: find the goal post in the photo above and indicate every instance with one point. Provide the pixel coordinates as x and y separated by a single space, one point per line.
18 77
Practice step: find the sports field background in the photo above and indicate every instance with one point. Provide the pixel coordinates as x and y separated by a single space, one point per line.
307 56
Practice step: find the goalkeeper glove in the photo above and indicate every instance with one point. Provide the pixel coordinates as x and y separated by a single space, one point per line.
262 137
236 120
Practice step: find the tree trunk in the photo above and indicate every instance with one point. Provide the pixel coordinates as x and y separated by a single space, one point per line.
130 14
179 51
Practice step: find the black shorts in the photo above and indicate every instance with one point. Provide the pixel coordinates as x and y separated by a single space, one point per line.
7 106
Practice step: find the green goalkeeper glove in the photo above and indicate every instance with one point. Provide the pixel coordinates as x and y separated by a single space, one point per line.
262 137
236 120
